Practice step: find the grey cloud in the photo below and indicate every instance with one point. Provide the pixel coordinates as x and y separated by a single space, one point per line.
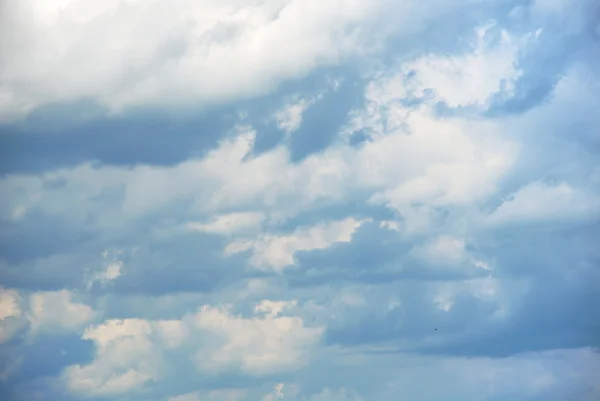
110 141
558 269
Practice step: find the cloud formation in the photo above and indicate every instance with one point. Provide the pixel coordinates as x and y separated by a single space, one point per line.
299 200
202 53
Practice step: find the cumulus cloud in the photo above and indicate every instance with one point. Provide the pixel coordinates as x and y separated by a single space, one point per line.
42 312
341 395
125 54
110 272
215 395
9 301
255 345
126 358
290 118
470 79
531 203
129 353
185 397
231 223
56 310
10 312
446 252
287 391
401 171
172 332
276 393
277 252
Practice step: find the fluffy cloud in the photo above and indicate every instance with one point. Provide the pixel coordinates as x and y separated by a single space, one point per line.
256 345
290 118
130 353
531 203
57 311
125 54
401 171
125 359
470 79
42 313
112 270
277 252
231 223
10 311
341 395
215 395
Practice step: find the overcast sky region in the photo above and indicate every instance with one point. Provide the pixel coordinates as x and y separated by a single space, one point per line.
299 200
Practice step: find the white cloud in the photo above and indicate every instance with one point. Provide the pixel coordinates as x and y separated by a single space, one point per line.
439 163
447 252
415 163
10 313
277 252
172 332
276 394
538 201
390 225
290 392
340 395
468 79
131 352
228 178
112 272
168 53
186 53
443 250
289 119
9 303
487 289
56 311
195 396
126 358
273 308
254 345
228 224
472 78
214 395
438 176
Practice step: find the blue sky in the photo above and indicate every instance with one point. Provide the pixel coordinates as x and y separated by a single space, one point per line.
299 200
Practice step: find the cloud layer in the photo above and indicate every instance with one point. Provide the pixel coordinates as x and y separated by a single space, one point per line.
299 200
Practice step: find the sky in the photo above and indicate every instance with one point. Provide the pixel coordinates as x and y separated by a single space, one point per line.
299 200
